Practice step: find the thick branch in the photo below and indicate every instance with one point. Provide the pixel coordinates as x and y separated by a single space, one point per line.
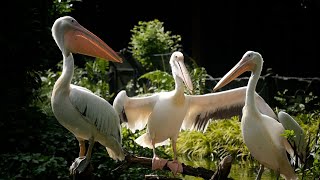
222 173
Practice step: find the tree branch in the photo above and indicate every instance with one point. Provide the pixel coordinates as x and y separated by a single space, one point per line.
222 172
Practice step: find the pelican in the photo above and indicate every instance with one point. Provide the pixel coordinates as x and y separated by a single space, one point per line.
86 115
165 113
261 133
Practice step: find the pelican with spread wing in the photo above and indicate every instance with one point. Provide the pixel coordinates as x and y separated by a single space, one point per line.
165 113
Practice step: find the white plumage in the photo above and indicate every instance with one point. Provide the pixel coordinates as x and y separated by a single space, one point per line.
86 115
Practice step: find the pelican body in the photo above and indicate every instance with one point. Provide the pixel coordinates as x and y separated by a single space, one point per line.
165 113
172 107
84 114
261 132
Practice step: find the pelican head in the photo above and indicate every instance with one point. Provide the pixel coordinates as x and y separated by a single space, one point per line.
71 37
250 61
179 70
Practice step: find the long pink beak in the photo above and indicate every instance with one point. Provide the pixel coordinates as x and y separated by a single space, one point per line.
80 40
237 70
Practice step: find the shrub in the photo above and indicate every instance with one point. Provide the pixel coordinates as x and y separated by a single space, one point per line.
150 38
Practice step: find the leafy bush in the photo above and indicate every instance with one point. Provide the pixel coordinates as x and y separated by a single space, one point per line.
220 139
298 102
32 166
150 38
159 81
199 76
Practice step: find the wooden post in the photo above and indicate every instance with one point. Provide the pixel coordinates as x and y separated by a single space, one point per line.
223 169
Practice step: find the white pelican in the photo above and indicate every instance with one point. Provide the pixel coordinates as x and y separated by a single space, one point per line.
86 115
261 133
167 112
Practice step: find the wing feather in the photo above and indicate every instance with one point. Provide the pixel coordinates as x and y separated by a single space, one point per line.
96 110
220 105
298 142
134 111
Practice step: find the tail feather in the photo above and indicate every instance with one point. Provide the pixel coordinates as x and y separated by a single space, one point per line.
113 146
291 176
116 156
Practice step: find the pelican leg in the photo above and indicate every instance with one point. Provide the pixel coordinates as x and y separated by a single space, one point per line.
157 163
82 146
175 166
261 169
81 163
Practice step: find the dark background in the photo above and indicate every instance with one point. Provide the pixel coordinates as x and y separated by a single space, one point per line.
216 34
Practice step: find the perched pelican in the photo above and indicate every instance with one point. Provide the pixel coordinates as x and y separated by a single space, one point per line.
86 115
165 113
261 133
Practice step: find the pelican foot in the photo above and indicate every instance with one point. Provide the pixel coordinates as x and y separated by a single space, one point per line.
158 163
175 166
79 165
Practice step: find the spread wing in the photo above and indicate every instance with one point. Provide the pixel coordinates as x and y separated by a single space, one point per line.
134 111
220 105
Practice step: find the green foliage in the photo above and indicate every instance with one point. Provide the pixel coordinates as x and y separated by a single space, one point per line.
198 77
95 77
297 103
311 167
63 7
220 139
32 166
149 38
128 142
159 81
289 134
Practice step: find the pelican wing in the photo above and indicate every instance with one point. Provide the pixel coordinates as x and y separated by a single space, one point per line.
96 110
134 111
220 105
298 141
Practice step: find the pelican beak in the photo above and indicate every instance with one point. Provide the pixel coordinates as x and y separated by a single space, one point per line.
241 67
184 75
80 40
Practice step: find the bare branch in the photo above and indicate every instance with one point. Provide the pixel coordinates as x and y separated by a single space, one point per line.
221 173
